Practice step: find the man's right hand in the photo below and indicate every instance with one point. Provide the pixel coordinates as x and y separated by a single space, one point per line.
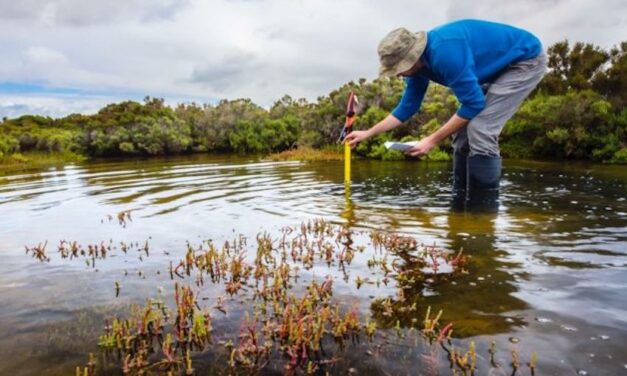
356 137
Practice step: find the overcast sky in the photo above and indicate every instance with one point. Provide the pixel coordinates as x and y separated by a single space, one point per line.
63 56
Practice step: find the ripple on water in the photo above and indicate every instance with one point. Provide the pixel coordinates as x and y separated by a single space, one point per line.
578 231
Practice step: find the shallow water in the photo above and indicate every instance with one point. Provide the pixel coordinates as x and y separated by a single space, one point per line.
548 269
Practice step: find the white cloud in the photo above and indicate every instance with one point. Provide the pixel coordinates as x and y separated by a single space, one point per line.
257 49
601 22
43 55
84 13
54 106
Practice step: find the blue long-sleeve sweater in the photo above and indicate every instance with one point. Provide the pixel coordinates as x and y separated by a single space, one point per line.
463 55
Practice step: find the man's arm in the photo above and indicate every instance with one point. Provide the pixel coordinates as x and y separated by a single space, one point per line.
415 88
413 95
454 62
454 124
390 122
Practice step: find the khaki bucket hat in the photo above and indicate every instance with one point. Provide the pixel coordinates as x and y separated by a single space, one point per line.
400 50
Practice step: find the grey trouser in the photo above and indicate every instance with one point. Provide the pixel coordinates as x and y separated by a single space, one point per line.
503 97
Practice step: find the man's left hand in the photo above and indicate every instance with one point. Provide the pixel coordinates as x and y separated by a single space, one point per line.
423 147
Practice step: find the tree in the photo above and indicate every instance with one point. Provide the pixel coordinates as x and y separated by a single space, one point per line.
572 69
612 83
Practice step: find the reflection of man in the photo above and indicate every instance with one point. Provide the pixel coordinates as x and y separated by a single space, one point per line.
490 68
478 302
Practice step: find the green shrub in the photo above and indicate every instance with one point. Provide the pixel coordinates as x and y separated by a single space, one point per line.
620 156
577 125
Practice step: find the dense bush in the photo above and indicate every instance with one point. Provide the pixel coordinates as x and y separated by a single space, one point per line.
132 128
574 125
8 145
264 136
211 126
39 133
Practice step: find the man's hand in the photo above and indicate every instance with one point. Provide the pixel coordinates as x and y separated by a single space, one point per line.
422 147
356 137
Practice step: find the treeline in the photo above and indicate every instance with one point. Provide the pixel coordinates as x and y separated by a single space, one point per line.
577 112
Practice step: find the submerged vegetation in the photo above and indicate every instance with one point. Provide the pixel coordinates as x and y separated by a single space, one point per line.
242 309
577 112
